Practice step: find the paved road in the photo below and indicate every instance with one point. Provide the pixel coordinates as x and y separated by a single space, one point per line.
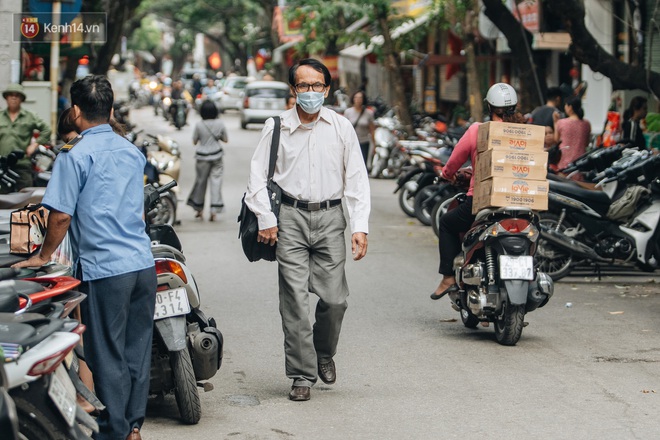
406 367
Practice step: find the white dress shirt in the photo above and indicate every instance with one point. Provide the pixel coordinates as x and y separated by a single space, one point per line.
319 162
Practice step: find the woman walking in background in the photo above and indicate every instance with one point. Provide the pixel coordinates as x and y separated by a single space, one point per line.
572 133
209 168
362 119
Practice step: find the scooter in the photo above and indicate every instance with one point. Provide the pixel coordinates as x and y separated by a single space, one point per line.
187 345
8 414
578 228
495 273
40 381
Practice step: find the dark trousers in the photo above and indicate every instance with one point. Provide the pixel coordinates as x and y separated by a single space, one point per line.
118 313
364 147
452 224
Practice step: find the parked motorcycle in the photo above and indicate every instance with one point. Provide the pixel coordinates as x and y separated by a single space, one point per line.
187 345
425 166
164 158
578 229
8 414
40 382
428 197
495 273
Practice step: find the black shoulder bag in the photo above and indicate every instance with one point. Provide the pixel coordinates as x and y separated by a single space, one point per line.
248 229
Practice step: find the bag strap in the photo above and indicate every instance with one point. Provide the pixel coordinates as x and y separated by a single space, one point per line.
211 132
364 107
274 146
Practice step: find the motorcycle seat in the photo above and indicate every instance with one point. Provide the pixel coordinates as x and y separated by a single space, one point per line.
14 200
597 200
165 251
27 333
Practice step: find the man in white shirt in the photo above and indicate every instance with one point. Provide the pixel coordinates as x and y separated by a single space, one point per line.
319 163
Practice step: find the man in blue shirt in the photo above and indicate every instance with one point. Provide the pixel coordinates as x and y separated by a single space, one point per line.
96 193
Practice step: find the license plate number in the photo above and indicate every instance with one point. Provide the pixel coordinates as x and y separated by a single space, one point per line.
63 394
172 302
516 268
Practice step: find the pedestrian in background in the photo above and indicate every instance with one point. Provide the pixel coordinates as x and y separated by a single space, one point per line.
572 133
362 119
544 114
318 164
632 118
209 167
17 130
96 193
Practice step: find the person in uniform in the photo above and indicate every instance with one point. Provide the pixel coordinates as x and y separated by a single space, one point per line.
17 130
96 193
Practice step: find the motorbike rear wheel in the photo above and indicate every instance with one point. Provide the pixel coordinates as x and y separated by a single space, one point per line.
556 262
508 329
33 424
185 391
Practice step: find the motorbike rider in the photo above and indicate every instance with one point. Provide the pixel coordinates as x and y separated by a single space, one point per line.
501 100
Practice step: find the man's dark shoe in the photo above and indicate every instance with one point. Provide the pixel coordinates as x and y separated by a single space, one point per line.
327 372
299 394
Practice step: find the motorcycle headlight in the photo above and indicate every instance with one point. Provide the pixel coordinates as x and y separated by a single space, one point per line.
167 101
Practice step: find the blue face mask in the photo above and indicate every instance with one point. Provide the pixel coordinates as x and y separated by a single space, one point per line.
310 102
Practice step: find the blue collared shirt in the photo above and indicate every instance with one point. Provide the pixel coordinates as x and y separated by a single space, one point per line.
100 184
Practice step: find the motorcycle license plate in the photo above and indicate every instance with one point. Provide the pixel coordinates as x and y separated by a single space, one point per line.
63 394
172 302
516 268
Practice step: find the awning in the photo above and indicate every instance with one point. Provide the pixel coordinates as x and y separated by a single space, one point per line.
360 50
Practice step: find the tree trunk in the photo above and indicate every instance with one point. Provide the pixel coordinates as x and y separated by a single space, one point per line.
119 13
533 87
586 49
392 66
474 91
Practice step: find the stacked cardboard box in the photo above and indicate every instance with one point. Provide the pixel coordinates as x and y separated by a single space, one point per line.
511 167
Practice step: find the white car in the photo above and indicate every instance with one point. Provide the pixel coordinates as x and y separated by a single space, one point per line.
263 100
230 94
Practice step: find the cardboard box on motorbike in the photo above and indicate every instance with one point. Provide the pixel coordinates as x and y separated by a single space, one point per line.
504 191
513 164
510 137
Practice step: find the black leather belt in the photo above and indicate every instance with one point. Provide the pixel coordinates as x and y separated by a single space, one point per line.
309 206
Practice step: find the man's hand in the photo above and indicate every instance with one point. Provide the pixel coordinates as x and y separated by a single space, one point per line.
268 236
34 261
359 245
29 151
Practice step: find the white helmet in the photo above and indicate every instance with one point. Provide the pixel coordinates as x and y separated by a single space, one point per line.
501 95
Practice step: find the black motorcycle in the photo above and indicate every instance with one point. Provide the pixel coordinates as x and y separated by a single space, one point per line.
495 273
585 227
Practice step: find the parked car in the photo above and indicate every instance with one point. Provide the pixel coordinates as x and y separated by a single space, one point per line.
231 93
263 100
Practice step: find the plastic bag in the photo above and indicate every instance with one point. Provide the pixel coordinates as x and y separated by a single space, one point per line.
63 254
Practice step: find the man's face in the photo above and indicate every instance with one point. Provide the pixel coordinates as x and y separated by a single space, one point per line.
13 101
307 75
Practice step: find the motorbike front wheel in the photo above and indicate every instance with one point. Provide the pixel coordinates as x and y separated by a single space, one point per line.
550 259
164 213
185 391
407 198
508 327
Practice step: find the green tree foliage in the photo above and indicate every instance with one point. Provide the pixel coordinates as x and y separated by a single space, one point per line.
147 36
